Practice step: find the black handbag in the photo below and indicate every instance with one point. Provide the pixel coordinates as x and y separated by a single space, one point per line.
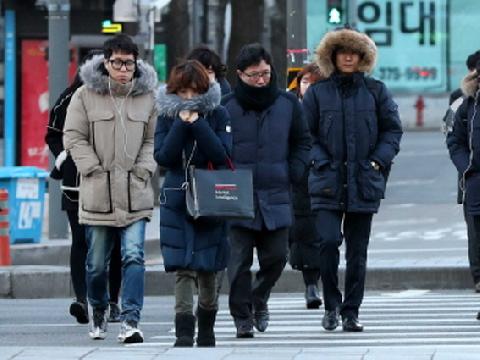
223 193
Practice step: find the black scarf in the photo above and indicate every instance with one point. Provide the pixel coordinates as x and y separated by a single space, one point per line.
256 98
348 83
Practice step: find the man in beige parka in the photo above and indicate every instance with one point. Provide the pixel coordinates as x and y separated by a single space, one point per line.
109 131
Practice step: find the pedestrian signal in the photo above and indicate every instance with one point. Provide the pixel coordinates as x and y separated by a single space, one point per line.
334 11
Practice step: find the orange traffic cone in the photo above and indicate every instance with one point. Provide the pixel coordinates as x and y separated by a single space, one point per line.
5 258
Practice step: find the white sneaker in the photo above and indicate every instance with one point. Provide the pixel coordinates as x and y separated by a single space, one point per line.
98 326
130 333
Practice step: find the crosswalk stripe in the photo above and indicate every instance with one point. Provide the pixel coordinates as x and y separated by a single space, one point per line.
414 318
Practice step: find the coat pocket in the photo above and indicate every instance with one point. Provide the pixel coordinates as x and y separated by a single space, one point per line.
324 181
95 192
140 193
371 183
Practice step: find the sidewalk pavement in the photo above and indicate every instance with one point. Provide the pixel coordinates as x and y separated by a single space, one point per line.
42 271
464 352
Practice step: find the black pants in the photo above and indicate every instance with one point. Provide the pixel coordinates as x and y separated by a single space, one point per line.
310 277
356 230
272 250
78 255
473 234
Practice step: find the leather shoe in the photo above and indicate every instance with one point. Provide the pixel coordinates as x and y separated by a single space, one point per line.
330 320
351 324
312 297
244 328
261 319
477 287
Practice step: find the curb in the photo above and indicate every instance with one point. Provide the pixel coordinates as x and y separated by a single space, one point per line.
31 282
57 252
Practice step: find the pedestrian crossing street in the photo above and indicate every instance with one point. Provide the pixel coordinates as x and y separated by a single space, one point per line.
413 317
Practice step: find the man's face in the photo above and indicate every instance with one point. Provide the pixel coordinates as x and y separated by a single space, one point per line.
121 67
347 61
257 75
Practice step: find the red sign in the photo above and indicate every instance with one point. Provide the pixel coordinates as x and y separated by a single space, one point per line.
35 102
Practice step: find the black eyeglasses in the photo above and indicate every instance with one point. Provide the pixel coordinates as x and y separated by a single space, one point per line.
258 75
117 64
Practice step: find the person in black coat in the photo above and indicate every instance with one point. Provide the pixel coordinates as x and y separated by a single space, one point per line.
215 68
457 98
66 171
356 134
192 129
304 249
463 143
270 137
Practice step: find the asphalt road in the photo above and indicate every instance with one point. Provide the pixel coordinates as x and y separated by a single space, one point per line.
420 218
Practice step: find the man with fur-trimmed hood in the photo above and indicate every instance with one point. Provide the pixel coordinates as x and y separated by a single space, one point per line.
356 134
109 132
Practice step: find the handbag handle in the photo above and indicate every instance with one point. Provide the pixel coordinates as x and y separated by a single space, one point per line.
228 161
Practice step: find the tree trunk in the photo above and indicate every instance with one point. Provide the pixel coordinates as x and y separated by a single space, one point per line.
247 27
278 40
177 27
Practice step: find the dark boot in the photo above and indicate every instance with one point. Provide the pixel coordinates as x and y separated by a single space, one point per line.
312 297
206 322
184 329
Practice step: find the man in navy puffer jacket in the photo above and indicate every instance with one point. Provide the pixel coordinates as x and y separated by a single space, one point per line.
270 137
356 134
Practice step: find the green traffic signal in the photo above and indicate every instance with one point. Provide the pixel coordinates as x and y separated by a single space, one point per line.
334 15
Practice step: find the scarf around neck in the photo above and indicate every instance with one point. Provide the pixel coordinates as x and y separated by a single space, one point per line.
257 98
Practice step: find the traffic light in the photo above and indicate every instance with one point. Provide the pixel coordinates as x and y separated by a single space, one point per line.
334 11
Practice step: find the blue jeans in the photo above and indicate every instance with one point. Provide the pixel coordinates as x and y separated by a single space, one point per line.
100 241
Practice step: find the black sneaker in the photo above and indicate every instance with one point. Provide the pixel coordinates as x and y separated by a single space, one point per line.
130 333
98 327
261 319
79 310
244 328
114 313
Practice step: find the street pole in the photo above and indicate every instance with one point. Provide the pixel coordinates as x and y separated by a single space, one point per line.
352 13
58 60
296 34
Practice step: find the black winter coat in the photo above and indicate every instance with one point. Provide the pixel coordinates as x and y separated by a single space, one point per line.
274 144
54 139
466 156
186 243
351 126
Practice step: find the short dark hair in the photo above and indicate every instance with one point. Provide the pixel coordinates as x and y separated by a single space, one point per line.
313 69
189 74
208 58
120 43
252 54
473 60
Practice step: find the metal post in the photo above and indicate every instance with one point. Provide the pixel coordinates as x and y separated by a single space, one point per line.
296 33
352 13
58 59
10 119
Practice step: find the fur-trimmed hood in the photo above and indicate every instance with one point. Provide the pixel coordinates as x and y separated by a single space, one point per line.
470 84
172 104
93 78
348 39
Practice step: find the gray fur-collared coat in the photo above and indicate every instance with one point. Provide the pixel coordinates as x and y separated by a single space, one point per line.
186 243
109 131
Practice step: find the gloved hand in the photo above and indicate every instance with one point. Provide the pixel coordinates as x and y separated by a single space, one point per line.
60 159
